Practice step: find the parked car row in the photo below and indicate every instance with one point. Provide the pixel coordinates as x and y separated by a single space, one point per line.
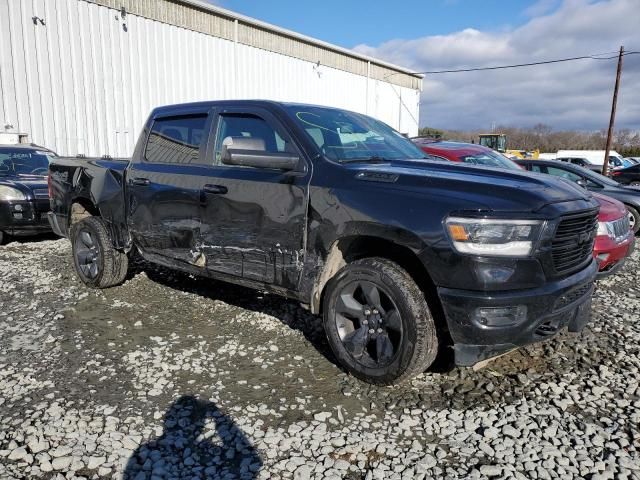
402 253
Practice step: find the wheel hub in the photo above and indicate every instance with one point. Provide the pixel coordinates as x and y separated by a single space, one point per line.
368 324
373 320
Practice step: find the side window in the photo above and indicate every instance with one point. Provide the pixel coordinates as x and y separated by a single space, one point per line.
250 126
176 139
558 172
537 168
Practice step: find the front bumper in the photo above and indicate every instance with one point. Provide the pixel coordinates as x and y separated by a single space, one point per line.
611 255
24 217
543 312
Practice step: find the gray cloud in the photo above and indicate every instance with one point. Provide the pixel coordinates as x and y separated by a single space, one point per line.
573 95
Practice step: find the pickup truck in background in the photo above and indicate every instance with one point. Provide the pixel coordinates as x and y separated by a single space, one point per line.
398 253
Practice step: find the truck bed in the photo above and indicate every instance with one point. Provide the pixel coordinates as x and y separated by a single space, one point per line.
89 181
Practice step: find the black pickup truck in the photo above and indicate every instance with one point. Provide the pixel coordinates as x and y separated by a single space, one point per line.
399 254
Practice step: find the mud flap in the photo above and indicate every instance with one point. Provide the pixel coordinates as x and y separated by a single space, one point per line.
582 317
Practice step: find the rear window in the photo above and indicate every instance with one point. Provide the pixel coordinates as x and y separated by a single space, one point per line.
176 139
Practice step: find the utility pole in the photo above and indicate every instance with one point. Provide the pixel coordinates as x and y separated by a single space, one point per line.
605 165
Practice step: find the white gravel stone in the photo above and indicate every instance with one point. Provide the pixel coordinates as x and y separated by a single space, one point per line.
61 463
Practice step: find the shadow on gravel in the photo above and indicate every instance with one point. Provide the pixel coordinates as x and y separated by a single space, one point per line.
190 447
289 312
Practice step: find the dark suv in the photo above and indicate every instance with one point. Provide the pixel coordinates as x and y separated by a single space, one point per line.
24 198
399 254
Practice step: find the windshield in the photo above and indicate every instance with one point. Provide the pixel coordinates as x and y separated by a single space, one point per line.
490 159
22 161
345 136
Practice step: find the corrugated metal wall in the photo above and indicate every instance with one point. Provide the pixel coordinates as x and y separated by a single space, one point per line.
85 80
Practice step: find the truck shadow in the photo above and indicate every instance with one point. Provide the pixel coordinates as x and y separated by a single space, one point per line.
506 380
198 441
289 312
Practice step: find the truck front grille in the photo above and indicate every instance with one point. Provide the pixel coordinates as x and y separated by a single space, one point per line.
572 244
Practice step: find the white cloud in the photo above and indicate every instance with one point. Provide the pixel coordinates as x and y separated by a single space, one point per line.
540 7
567 95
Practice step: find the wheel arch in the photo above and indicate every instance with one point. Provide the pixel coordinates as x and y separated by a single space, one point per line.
82 207
355 247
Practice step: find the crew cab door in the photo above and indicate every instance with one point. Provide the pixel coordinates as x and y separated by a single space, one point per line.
164 185
254 218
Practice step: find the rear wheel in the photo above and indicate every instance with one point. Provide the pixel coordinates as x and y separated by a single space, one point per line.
634 218
378 323
97 263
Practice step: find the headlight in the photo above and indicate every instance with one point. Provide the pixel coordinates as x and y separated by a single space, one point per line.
10 193
504 238
615 229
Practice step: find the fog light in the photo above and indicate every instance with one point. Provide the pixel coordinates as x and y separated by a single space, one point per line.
602 257
500 316
17 208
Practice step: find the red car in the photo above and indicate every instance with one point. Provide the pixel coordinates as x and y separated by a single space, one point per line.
466 153
614 240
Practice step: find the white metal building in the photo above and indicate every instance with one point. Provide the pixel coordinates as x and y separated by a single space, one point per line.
80 76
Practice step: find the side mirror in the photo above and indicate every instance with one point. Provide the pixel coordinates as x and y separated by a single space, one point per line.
582 182
251 152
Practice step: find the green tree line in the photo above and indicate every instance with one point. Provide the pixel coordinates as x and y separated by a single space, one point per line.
625 141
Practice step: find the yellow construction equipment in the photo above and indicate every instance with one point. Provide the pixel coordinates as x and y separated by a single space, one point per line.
498 142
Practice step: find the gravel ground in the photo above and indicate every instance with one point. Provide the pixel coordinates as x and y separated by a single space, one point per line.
169 376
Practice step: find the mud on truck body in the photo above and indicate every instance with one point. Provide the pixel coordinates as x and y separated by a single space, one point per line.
400 254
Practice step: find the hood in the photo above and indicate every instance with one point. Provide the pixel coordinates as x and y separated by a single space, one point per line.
610 208
483 188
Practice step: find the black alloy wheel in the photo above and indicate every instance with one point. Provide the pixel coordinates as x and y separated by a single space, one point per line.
368 323
378 323
87 253
98 263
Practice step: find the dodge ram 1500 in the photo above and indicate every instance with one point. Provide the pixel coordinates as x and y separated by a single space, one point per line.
337 210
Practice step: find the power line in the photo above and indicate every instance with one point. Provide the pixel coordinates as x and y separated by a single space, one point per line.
518 65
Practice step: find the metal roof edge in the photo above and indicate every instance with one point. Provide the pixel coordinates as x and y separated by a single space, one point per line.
290 33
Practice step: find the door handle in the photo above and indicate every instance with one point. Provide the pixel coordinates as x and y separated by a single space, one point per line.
215 189
140 181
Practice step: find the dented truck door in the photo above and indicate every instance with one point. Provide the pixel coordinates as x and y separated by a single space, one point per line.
163 185
254 218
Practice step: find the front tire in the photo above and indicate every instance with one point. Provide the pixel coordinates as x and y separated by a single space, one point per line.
97 263
634 218
378 323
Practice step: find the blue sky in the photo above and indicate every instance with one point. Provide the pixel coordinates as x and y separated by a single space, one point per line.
349 23
449 34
